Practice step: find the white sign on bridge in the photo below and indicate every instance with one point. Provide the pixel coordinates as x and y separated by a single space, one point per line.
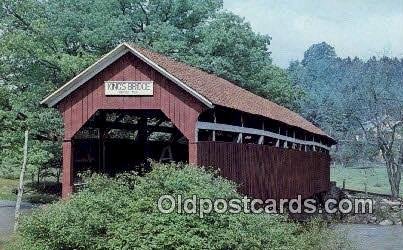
129 88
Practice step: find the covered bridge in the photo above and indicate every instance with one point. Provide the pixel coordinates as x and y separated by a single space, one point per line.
134 104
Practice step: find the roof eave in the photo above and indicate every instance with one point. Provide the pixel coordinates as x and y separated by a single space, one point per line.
171 77
84 76
104 62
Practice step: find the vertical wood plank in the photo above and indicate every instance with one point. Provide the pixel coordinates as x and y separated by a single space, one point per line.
267 172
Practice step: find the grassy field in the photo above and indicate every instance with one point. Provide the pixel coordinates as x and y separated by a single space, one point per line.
376 179
3 241
7 188
32 193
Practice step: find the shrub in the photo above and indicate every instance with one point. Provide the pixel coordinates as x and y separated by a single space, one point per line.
122 213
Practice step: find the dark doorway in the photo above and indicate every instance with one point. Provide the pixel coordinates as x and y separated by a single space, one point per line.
115 141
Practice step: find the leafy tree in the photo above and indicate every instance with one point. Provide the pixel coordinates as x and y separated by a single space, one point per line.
45 43
15 117
376 105
318 53
359 103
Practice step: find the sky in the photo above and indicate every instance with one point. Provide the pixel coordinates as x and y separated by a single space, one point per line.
361 28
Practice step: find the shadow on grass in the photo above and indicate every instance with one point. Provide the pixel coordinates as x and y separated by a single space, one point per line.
36 193
43 192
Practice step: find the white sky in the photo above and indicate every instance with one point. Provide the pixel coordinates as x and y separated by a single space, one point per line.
360 28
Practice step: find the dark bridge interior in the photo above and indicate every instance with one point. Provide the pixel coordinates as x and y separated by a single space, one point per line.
114 141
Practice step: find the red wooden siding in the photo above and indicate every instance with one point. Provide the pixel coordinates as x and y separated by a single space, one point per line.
179 106
67 187
262 171
268 172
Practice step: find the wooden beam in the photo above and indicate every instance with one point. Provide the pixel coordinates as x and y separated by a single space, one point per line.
261 138
129 126
240 136
239 139
313 139
215 121
101 143
240 130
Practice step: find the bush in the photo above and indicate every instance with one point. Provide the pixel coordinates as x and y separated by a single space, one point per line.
122 213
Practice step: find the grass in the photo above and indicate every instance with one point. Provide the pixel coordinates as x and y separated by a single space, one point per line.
376 179
45 192
3 241
7 189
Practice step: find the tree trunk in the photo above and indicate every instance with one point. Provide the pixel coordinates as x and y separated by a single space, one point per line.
394 175
21 186
394 185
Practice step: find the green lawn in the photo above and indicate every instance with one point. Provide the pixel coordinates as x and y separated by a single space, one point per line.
7 188
3 240
376 179
32 193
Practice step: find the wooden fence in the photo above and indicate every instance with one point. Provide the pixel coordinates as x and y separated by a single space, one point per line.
268 172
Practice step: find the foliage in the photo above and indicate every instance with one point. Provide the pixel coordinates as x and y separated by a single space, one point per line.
121 213
45 43
228 47
43 124
359 103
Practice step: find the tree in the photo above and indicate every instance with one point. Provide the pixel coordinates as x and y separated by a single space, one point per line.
228 47
318 52
378 109
45 43
359 103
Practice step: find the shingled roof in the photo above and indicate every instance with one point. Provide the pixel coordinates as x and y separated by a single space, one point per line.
225 93
209 87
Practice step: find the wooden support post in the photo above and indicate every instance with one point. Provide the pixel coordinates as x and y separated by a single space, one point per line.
67 183
240 136
286 142
166 154
193 153
239 140
142 136
192 150
101 143
313 139
306 146
215 121
261 138
278 140
196 135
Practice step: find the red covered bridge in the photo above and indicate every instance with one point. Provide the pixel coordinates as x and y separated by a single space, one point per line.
134 104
